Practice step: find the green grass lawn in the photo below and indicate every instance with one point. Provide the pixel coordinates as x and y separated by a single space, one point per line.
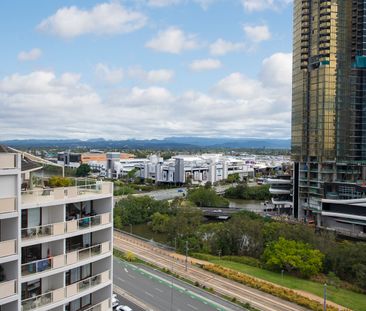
340 296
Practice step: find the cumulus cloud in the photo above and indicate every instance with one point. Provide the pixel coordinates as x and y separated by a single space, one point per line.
222 47
105 18
277 70
33 54
173 40
260 5
204 3
43 104
205 64
257 33
151 76
110 75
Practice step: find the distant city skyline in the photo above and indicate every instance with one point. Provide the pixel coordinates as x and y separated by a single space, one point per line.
145 69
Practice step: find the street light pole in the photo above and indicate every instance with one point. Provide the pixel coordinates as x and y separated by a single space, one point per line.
325 297
186 256
172 287
130 228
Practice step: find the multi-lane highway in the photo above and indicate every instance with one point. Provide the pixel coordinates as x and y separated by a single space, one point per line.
161 292
166 259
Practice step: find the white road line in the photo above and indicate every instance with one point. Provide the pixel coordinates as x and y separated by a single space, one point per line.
132 276
149 294
159 290
193 307
120 279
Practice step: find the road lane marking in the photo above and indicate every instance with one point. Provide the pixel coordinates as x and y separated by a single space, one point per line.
120 279
159 290
149 294
193 307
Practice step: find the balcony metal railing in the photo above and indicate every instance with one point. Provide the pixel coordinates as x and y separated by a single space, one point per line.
8 288
65 227
45 195
62 260
8 248
60 294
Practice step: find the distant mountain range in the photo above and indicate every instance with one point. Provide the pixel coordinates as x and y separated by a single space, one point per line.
166 143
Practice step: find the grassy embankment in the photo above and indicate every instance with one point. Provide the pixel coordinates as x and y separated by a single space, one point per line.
346 298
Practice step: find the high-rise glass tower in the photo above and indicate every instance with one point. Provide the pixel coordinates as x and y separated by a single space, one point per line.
329 110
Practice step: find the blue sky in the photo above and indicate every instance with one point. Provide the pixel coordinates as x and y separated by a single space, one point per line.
145 68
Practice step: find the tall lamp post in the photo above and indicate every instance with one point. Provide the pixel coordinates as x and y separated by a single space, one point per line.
186 268
325 297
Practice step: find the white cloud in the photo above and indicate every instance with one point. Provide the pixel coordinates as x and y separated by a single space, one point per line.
260 5
257 33
205 64
277 70
222 47
33 54
162 3
110 75
151 76
43 104
173 40
104 18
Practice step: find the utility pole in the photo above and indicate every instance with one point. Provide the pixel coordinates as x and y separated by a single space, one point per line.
220 255
325 297
172 287
186 256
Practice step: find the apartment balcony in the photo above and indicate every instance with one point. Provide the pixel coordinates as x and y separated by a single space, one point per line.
40 196
8 288
8 248
88 283
7 205
61 228
60 294
63 260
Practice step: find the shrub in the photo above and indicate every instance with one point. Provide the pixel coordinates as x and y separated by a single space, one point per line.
58 181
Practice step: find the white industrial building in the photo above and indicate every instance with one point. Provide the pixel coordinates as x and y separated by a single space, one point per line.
55 243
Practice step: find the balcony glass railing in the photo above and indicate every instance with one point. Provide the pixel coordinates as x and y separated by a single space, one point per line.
62 260
65 227
76 288
102 306
60 294
45 195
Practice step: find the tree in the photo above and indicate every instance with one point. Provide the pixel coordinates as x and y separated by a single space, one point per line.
293 256
206 197
83 170
160 222
233 178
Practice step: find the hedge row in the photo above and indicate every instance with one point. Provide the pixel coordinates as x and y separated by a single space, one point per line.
281 292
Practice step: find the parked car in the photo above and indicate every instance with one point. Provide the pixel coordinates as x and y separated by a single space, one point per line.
123 308
115 301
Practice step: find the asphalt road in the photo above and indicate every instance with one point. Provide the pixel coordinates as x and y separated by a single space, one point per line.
124 302
155 289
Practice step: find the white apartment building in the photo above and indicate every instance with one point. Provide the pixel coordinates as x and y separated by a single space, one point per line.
55 243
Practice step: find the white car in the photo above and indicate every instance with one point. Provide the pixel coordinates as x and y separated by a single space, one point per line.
123 308
115 301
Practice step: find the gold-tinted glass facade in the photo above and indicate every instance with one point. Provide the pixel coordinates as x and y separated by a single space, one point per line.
328 95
